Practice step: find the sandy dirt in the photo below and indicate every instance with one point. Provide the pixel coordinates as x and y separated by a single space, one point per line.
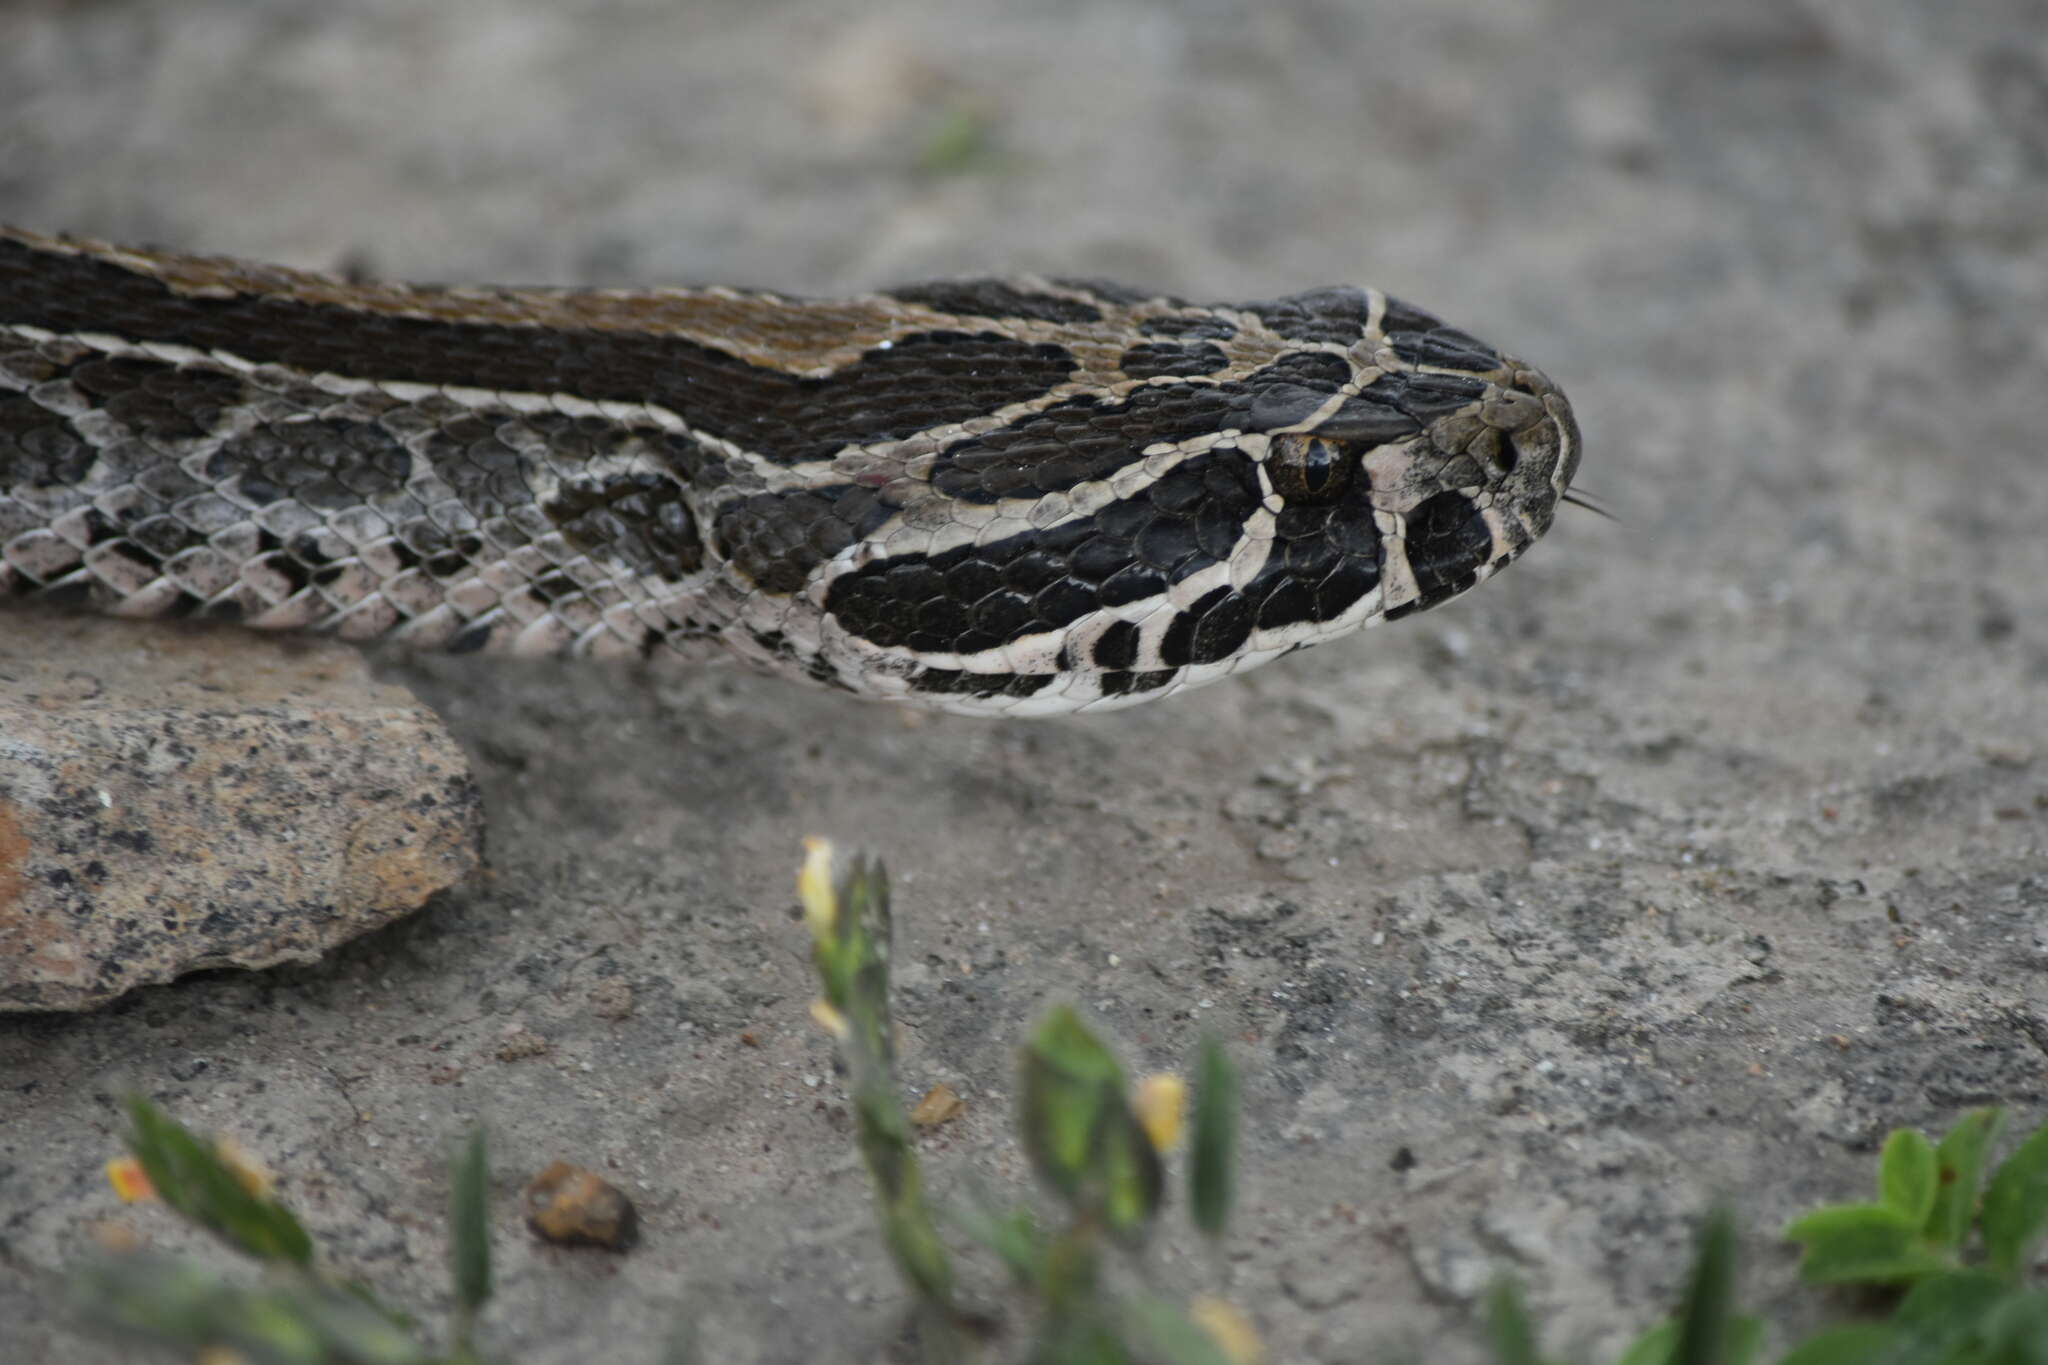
1683 860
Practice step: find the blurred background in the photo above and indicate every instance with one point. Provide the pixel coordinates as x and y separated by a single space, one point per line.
1561 890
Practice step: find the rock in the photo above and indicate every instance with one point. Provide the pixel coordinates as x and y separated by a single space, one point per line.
940 1104
520 1043
174 799
574 1207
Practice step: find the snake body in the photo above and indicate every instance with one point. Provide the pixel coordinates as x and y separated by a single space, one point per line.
990 496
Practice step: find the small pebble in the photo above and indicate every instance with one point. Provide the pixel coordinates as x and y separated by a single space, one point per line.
940 1103
570 1206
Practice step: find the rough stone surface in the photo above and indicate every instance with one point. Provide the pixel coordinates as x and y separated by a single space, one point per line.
1682 860
174 799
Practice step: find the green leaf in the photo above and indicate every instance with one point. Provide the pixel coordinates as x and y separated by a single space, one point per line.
1745 1339
2015 1330
1080 1130
850 948
1079 1340
1128 1170
1907 1175
1162 1331
1067 1073
150 1295
191 1177
1073 1271
884 1138
1653 1347
2015 1209
1013 1236
1960 1162
1071 1292
1212 1145
1945 1307
1862 1344
883 1132
350 1329
1508 1326
170 1302
1862 1244
915 1245
1706 1324
469 1223
1658 1346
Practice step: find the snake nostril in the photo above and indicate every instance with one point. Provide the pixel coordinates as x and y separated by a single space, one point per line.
1508 455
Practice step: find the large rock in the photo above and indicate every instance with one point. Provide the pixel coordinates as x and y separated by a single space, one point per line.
175 798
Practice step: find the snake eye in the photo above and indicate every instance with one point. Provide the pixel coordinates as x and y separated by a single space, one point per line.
1310 469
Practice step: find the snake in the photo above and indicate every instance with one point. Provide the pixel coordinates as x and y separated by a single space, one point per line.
1008 497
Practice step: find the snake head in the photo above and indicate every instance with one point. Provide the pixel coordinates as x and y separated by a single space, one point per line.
1233 483
1456 455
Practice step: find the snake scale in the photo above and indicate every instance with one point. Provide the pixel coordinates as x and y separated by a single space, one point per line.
1013 497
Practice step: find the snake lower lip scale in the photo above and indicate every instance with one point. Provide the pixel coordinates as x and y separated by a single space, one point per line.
998 497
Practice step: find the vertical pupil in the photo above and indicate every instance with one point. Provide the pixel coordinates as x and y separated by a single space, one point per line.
1310 468
1318 466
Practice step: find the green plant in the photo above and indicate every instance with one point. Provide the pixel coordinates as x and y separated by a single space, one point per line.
1966 1302
1096 1142
1957 1309
300 1315
1957 1248
1706 1331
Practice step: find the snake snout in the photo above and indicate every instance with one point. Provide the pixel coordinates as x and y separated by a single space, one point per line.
1536 419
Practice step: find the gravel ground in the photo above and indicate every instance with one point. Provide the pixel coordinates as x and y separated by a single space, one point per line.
1683 860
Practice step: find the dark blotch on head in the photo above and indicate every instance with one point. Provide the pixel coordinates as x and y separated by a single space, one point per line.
977 597
1325 558
995 299
1423 397
1083 439
1209 631
1402 316
1291 390
1445 346
1335 314
1172 359
1189 327
1447 542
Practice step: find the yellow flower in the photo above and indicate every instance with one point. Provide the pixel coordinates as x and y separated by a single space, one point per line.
125 1174
1228 1328
829 1019
251 1174
1159 1102
814 888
